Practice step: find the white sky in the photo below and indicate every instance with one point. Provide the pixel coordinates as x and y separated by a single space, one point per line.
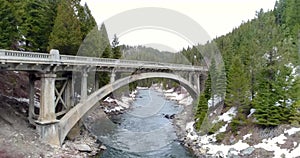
217 17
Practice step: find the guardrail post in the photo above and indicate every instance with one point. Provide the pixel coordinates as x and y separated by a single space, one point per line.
55 54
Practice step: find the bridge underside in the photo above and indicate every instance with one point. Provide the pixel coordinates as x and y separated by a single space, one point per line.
60 109
59 129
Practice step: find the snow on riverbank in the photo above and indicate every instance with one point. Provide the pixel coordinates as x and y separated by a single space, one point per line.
206 145
274 144
119 105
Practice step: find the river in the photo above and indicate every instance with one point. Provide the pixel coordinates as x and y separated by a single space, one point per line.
143 131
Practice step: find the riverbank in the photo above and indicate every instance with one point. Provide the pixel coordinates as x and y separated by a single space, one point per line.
19 139
250 141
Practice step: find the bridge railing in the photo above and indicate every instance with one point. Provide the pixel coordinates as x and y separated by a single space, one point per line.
16 56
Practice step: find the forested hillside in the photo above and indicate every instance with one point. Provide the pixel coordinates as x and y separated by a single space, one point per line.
41 25
261 60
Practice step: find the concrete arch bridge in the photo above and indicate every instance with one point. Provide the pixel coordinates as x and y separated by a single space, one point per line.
52 68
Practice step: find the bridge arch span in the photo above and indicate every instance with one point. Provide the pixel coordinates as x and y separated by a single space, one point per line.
76 113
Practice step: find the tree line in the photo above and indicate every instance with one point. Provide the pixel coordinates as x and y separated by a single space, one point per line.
261 63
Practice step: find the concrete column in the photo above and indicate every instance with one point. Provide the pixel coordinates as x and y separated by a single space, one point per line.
191 77
96 81
31 97
113 76
47 125
197 82
47 100
202 82
84 86
69 94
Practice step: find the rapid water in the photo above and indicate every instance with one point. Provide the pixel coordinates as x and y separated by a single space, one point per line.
143 131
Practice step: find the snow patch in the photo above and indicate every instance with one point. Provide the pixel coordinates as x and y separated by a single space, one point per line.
223 128
292 131
227 116
213 102
247 136
186 101
271 144
169 90
213 149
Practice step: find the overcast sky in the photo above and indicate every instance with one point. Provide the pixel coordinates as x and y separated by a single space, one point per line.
217 17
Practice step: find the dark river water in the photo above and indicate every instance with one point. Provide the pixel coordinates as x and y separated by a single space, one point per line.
143 131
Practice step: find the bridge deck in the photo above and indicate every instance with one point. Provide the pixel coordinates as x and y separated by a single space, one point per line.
19 60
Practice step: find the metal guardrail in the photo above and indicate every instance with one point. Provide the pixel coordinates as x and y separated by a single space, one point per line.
52 58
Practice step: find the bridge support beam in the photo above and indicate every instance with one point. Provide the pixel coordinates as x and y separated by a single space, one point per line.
112 76
84 86
47 100
197 82
69 93
191 77
31 113
202 82
96 86
47 124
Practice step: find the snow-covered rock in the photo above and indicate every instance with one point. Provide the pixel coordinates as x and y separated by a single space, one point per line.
214 101
227 116
247 136
292 131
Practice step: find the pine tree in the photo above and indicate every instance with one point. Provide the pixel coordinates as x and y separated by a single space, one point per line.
8 26
66 35
116 51
87 21
238 89
213 76
201 111
36 24
207 90
106 48
221 82
295 114
91 45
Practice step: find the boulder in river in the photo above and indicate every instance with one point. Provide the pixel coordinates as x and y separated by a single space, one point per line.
82 147
169 116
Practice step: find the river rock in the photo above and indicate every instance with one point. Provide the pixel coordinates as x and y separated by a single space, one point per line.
233 153
170 116
219 154
248 151
82 147
202 151
102 147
